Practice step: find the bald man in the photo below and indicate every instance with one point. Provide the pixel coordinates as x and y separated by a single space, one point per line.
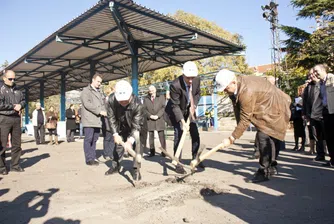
154 105
11 104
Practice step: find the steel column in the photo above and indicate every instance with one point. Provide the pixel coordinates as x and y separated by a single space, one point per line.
215 115
63 97
134 68
41 93
27 118
92 69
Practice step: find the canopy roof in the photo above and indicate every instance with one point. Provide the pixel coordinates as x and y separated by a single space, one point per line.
106 38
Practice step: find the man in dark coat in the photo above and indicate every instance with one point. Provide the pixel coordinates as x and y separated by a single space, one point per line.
154 108
93 113
70 123
11 104
127 122
184 96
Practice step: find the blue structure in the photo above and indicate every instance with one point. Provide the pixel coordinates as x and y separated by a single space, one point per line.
215 115
63 97
27 119
134 67
41 93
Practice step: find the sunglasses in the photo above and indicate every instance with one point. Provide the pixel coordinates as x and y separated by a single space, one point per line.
11 79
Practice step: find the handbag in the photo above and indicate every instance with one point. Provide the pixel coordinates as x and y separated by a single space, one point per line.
50 125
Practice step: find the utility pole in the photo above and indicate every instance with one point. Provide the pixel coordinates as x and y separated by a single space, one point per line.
271 15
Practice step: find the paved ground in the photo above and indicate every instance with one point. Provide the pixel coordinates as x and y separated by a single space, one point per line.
58 187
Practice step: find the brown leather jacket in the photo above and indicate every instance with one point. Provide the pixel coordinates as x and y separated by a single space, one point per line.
263 105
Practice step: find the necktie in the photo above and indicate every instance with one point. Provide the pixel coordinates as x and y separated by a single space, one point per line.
152 99
192 105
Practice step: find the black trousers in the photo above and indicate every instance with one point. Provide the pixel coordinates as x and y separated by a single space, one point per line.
329 133
317 127
39 132
195 140
108 143
161 139
70 135
53 132
138 146
267 146
12 125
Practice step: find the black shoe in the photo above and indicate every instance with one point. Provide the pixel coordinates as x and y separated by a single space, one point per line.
295 148
302 149
152 153
328 164
273 170
92 163
260 176
201 165
136 174
319 158
163 154
17 169
112 170
179 169
4 172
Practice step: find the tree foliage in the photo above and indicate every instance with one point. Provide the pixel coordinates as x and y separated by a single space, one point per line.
4 65
305 50
237 63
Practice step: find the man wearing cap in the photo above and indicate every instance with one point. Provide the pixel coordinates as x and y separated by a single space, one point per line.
92 112
263 105
184 96
127 122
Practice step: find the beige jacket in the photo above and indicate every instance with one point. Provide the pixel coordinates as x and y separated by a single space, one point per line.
263 105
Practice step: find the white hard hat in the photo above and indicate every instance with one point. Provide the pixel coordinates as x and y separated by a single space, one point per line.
190 69
123 90
224 78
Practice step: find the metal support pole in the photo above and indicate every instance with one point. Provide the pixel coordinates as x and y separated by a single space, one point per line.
41 93
27 118
92 69
215 116
62 97
134 67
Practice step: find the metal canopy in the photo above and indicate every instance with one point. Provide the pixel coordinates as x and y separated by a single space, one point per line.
106 37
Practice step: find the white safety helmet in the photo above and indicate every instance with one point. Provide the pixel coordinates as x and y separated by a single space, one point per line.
223 79
190 69
123 90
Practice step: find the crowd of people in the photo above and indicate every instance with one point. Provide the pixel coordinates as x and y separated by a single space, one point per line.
125 120
314 109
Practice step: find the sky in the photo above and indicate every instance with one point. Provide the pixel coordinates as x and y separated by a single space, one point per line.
24 24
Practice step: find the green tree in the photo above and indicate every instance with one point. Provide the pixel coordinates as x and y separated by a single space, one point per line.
237 63
307 49
4 65
304 49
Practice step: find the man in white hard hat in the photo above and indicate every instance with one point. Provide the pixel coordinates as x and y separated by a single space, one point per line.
127 124
184 96
263 105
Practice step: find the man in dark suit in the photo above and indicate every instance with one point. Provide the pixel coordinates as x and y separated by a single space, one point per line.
154 107
184 96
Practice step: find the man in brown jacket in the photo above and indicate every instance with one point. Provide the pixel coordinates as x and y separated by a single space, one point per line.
263 105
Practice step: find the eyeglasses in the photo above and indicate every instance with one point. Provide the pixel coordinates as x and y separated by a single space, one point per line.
11 79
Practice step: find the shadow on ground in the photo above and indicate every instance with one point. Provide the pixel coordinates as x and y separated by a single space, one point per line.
298 194
29 205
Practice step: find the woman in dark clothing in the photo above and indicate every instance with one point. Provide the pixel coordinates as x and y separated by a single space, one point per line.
51 125
298 124
70 123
